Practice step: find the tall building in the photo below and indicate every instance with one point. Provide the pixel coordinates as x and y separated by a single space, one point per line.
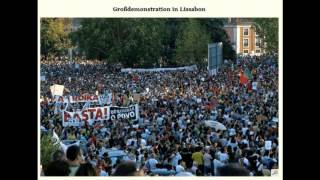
243 36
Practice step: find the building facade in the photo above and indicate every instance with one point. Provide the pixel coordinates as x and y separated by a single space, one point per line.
243 37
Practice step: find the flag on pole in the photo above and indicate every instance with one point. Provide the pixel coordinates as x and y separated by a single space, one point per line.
248 73
243 79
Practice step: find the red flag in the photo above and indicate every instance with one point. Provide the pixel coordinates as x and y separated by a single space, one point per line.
243 79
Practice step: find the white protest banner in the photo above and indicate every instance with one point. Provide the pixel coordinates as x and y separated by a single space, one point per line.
215 124
267 145
57 90
255 86
61 99
120 113
67 143
104 99
61 103
188 68
55 138
71 119
84 98
78 118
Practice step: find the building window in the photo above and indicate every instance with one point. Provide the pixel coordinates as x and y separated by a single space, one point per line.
258 41
246 31
246 51
258 51
245 42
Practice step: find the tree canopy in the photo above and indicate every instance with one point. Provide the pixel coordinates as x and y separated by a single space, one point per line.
143 42
268 29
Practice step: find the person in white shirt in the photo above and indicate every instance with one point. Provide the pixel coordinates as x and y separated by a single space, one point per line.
159 121
175 158
224 155
194 167
143 142
217 164
180 166
151 163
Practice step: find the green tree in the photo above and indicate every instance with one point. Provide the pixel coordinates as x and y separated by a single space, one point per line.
173 27
218 34
149 41
46 149
267 29
192 44
129 41
54 34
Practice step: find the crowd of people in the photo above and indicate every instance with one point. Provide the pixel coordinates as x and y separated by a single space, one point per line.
170 138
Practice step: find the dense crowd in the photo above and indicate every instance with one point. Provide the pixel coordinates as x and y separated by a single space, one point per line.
170 137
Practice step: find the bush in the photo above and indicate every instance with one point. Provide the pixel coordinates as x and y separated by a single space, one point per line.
46 149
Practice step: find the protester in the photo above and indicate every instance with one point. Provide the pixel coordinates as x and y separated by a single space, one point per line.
86 170
126 169
74 157
173 108
58 155
207 162
233 170
57 168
